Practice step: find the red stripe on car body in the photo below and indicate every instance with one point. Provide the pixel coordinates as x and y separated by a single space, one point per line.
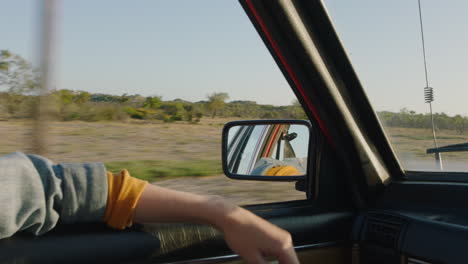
270 144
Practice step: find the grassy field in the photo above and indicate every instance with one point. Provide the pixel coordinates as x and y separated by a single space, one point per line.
158 169
156 150
412 143
174 149
183 156
177 154
187 147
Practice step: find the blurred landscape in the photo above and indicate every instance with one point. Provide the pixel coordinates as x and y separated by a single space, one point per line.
158 150
177 143
410 145
179 155
187 156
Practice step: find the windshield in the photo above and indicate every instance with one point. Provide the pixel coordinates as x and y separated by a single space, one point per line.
411 58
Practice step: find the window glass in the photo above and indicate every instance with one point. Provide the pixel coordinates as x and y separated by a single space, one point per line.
297 147
17 43
250 150
148 87
384 42
300 144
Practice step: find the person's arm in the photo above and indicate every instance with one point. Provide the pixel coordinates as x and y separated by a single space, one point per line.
133 200
247 234
35 193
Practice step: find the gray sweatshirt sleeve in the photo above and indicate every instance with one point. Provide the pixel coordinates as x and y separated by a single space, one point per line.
35 193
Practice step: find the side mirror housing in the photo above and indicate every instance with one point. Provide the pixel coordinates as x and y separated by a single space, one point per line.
266 150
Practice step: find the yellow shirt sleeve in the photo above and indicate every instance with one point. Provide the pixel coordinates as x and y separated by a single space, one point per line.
124 193
283 171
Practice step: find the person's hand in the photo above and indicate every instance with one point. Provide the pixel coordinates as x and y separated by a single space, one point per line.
255 239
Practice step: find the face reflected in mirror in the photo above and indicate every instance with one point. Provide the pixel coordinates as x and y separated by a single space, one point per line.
268 149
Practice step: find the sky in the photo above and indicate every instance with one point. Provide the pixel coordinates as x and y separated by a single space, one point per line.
189 49
383 41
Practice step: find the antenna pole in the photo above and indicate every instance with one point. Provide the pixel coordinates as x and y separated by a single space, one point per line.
429 93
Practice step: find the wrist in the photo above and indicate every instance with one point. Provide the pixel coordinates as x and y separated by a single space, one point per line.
221 213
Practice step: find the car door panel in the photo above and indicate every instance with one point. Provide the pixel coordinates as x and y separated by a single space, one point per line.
317 233
80 243
328 255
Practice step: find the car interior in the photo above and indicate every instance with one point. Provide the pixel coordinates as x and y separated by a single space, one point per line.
361 206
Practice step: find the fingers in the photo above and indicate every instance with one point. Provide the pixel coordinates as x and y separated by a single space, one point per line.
288 256
255 258
263 239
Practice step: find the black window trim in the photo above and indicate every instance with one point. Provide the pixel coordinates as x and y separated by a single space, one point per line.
436 176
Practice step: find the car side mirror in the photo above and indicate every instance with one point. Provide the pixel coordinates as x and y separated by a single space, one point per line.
266 150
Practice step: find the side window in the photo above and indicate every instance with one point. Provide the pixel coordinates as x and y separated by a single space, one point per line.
413 69
17 72
148 87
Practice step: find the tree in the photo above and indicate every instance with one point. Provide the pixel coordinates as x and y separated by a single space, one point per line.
17 77
16 74
124 98
174 110
216 102
153 102
297 112
81 97
14 103
64 96
4 56
459 123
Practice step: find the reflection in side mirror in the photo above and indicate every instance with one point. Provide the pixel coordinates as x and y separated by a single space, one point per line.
266 148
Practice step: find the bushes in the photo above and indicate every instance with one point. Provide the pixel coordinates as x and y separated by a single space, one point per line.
105 112
109 111
92 112
67 105
410 119
139 113
13 105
